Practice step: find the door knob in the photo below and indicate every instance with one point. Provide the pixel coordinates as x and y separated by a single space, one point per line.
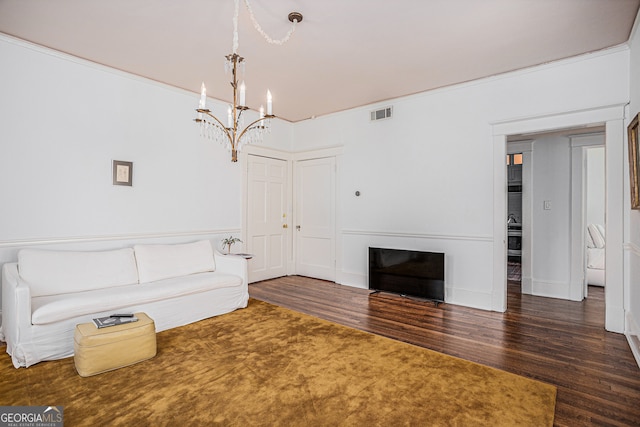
298 227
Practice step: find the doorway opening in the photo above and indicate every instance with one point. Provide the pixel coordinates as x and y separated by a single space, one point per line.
549 182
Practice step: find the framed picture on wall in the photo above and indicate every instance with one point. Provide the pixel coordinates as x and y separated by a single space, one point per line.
122 173
634 160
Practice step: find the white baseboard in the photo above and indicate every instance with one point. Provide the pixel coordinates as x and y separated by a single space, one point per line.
469 298
550 289
452 296
351 285
355 280
632 332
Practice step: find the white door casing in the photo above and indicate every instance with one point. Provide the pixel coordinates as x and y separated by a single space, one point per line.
613 119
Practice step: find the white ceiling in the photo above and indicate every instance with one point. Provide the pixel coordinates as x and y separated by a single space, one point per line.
345 53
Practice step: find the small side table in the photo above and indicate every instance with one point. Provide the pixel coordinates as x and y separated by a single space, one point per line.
245 256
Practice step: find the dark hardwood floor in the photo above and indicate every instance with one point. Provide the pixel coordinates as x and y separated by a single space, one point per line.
556 341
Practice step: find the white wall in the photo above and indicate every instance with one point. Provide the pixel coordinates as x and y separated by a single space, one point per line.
426 175
63 120
551 227
595 185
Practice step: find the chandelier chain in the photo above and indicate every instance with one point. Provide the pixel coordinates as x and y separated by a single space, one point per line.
259 29
235 26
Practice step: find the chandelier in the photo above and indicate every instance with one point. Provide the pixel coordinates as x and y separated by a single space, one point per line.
234 134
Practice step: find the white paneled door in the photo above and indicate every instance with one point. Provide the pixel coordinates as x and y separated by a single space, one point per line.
315 218
267 223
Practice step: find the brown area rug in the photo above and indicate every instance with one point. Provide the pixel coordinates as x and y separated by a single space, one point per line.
265 365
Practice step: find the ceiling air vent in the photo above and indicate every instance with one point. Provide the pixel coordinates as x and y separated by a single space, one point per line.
384 113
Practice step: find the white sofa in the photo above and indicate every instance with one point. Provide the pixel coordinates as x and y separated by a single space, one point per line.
595 255
46 293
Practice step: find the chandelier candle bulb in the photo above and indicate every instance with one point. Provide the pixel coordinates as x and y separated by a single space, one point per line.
229 118
203 97
261 115
269 103
243 94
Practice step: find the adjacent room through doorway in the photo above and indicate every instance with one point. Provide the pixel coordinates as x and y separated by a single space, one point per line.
555 203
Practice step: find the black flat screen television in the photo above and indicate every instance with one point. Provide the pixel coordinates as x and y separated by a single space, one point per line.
406 272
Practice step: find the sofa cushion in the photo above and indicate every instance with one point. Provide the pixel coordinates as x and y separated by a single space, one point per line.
589 239
60 272
55 308
158 262
596 232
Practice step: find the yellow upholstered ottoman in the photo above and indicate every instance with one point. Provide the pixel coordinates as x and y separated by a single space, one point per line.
100 350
